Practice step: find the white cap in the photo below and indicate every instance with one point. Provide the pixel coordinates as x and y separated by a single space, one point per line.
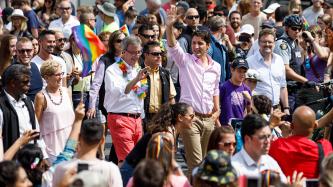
247 28
252 74
271 8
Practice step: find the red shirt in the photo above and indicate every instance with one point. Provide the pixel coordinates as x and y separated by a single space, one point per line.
298 153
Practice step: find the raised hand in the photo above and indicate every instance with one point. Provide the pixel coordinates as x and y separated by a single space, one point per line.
172 16
143 73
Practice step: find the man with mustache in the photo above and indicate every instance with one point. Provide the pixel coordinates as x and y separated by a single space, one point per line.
271 69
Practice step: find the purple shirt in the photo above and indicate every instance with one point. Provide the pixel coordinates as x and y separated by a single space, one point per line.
198 84
233 103
319 65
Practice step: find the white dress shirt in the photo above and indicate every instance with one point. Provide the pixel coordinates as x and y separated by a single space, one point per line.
66 28
23 119
116 100
272 78
245 165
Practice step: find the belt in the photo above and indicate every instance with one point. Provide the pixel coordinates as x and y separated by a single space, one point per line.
203 115
137 115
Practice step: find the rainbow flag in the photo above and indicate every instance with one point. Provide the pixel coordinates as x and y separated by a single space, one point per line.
90 45
305 24
125 30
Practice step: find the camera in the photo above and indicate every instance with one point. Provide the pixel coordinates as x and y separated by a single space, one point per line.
305 36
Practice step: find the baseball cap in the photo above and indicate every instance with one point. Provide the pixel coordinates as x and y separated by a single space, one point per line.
89 179
268 24
183 4
217 168
271 8
247 28
252 74
240 63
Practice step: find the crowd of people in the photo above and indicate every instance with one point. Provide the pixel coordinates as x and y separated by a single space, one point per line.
241 84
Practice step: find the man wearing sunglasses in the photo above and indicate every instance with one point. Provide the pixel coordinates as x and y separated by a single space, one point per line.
160 86
24 52
288 48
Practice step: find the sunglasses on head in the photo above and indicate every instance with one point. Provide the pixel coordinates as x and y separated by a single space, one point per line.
193 17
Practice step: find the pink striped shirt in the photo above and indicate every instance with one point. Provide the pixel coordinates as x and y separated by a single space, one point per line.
198 84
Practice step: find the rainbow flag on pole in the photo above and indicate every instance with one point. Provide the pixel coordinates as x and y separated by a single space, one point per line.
125 30
90 45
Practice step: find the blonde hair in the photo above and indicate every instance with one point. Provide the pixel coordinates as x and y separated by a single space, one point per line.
49 67
24 25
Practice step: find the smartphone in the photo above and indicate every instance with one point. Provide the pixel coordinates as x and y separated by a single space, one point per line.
312 183
253 182
37 137
286 118
236 123
82 167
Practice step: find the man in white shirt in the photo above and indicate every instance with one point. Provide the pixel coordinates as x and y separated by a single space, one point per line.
17 113
255 17
47 44
125 85
90 138
311 13
66 21
253 158
271 69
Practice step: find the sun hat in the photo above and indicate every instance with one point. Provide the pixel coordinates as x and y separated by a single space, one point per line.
216 167
108 9
17 13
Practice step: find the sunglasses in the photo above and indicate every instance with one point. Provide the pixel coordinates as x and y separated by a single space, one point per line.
147 36
218 14
65 8
157 53
62 40
58 74
208 2
296 28
228 144
119 40
193 17
190 115
22 51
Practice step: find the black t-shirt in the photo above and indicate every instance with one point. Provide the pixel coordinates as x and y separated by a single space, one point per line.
138 153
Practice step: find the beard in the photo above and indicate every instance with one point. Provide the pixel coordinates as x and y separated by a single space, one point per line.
235 25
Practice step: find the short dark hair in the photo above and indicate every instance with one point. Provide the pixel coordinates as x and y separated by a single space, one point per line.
8 173
43 33
149 45
149 173
14 72
223 9
251 124
203 35
281 13
145 27
234 12
263 104
265 32
91 132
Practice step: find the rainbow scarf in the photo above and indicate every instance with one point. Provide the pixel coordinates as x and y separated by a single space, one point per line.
90 45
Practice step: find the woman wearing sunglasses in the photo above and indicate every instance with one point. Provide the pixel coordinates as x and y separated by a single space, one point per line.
172 119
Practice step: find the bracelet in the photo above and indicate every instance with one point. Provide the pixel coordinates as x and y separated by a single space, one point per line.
287 107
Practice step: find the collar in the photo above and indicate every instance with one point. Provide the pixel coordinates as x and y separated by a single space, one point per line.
12 99
248 160
197 60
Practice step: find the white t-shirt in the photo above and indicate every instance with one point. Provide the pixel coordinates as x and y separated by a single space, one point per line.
107 169
38 61
312 16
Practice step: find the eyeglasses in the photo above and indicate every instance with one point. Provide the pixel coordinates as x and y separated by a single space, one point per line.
135 53
157 54
58 74
193 17
65 8
264 137
119 40
228 144
22 51
218 14
296 28
148 36
190 115
208 2
62 40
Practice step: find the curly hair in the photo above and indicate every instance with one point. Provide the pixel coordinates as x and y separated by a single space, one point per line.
167 117
263 104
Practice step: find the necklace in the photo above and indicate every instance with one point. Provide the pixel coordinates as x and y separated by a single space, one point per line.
48 94
141 90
